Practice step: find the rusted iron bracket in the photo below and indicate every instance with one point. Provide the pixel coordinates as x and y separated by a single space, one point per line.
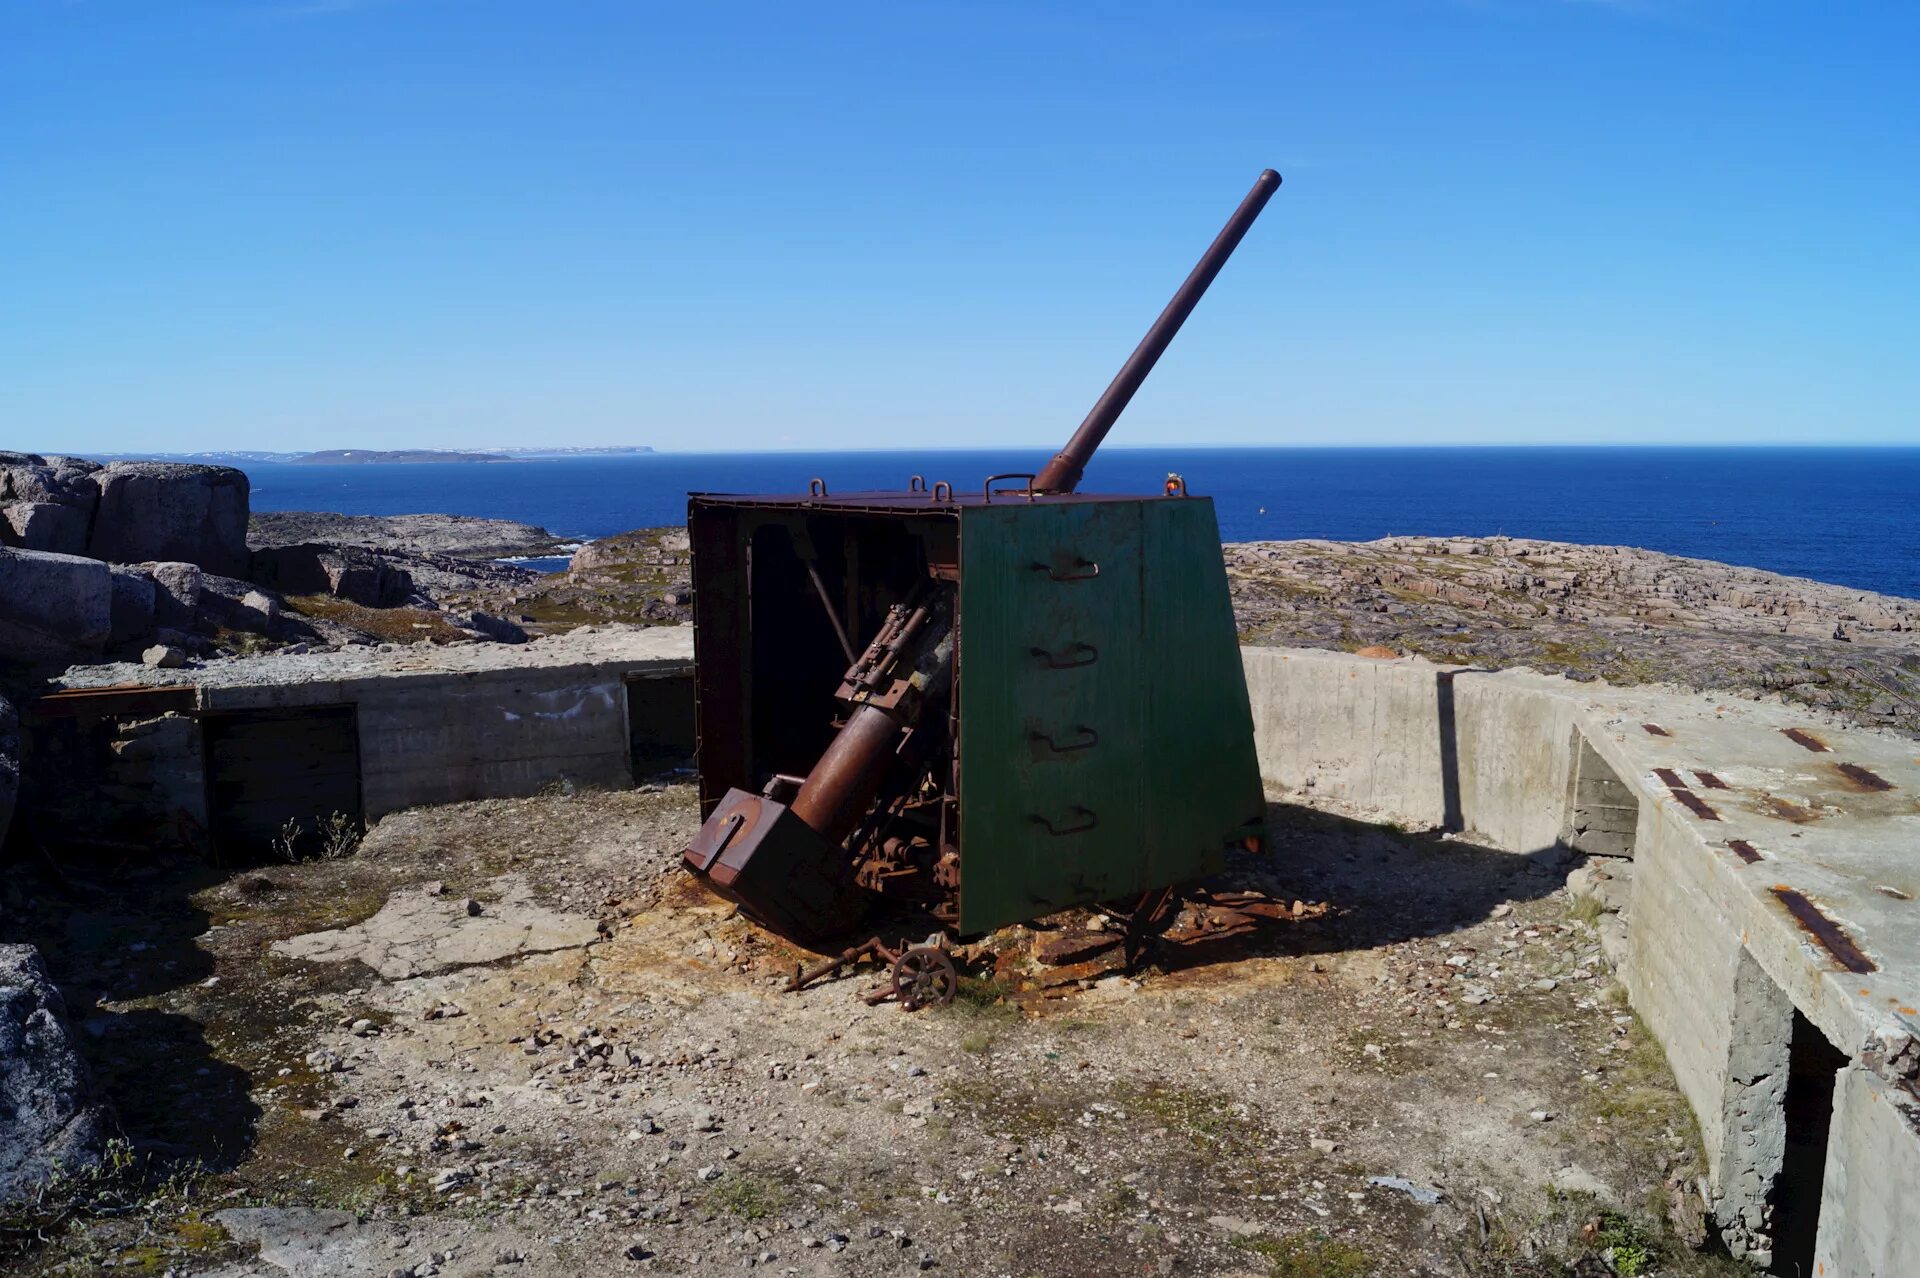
923 975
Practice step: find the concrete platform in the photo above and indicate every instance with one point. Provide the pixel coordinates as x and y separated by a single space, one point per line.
243 742
1772 941
1774 931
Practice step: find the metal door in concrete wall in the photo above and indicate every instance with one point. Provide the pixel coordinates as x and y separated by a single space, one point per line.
266 768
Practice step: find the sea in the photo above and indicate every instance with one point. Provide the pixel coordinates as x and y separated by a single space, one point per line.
1845 515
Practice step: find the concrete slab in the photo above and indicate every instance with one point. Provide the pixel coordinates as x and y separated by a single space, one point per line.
441 724
421 931
316 678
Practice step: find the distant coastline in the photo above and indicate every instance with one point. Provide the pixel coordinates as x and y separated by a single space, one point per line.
380 456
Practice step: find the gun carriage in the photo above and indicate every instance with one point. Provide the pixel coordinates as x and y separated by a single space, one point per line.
1048 709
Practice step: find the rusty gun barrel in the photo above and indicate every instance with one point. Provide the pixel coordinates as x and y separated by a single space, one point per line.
1062 473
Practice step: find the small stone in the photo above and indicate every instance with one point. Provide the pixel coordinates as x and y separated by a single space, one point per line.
1324 1146
638 1251
164 656
1541 1116
1237 1227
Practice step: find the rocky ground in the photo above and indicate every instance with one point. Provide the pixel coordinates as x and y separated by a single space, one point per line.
512 1037
1608 612
461 536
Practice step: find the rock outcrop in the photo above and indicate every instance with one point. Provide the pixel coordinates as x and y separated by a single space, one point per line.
1610 612
53 604
462 535
346 572
49 1115
47 503
176 594
167 510
131 610
232 604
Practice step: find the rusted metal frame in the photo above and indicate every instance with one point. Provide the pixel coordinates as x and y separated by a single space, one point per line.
1146 920
1805 740
116 701
986 488
920 975
826 602
803 977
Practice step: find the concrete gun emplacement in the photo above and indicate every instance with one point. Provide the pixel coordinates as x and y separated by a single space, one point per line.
1049 712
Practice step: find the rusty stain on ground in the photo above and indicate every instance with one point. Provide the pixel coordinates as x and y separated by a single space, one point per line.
1787 810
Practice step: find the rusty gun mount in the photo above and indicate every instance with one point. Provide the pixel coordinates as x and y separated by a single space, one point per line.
1065 722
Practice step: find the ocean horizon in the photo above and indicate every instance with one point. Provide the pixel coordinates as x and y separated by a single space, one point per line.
1848 515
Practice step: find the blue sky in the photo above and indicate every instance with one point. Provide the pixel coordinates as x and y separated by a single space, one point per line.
385 223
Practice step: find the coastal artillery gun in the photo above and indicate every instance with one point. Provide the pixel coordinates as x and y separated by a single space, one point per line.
1050 711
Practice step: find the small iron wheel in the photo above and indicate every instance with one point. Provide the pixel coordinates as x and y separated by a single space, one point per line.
924 977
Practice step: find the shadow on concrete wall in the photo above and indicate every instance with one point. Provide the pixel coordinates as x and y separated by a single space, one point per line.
1453 815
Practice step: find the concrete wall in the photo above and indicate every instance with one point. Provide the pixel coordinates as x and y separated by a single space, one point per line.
1458 749
1684 954
1867 1221
431 725
445 738
1712 964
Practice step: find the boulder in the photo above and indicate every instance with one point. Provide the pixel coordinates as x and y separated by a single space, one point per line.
176 594
346 572
49 1115
9 767
53 605
227 602
130 617
169 510
43 525
498 629
65 481
47 503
